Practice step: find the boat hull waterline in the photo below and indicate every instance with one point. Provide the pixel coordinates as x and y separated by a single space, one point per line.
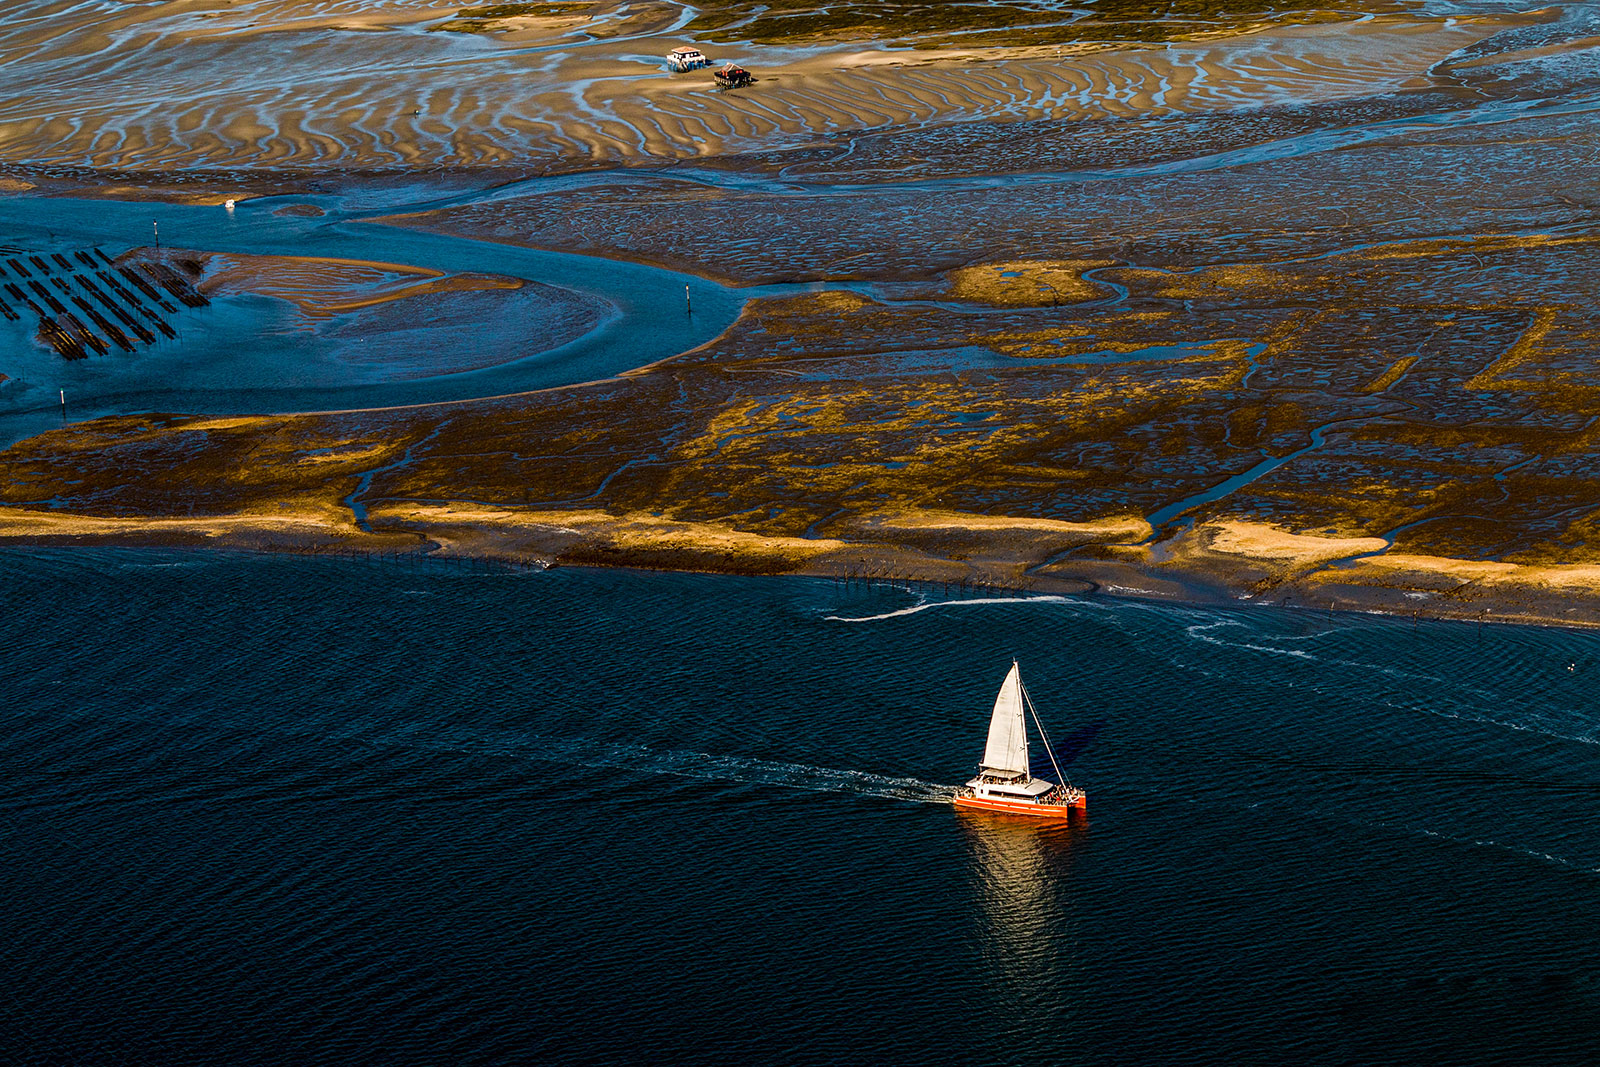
1034 810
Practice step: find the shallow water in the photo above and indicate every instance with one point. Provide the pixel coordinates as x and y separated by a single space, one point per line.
246 354
286 809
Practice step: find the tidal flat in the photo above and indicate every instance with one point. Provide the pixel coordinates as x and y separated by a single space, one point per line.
508 550
1272 303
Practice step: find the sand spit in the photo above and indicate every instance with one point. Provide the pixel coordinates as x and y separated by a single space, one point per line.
323 287
289 87
1245 559
299 530
1004 549
1223 561
374 312
599 537
167 194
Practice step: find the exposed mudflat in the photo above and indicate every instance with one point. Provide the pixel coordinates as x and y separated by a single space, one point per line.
1267 304
269 86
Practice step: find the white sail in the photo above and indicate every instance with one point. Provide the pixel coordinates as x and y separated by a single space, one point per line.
1007 749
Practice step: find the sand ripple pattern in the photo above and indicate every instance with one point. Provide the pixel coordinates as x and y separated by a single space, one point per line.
275 85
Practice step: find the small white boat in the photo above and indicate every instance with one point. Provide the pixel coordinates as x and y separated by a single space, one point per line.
683 60
1003 782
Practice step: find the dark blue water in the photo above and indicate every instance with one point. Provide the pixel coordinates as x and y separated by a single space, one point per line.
289 810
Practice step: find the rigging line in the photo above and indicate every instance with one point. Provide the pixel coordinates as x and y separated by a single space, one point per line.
1048 747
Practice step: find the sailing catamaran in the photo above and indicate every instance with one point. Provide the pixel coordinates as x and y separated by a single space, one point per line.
1003 782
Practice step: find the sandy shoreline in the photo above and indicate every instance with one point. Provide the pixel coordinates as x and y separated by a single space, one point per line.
1165 334
1231 563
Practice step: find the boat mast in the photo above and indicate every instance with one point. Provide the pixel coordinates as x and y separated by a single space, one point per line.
1048 747
1027 759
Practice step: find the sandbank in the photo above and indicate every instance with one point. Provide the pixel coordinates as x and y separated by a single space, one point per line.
284 89
1224 561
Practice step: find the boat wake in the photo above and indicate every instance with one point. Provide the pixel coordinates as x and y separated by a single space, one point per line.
1523 851
1202 632
704 765
224 734
1444 692
931 604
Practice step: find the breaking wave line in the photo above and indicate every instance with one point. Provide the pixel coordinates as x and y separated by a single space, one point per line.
928 605
1198 631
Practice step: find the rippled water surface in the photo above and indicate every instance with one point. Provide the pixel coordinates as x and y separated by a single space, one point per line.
298 811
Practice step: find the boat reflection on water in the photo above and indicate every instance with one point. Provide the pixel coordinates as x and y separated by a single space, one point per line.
1025 921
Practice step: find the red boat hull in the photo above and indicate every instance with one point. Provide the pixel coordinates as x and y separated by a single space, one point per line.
1024 807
